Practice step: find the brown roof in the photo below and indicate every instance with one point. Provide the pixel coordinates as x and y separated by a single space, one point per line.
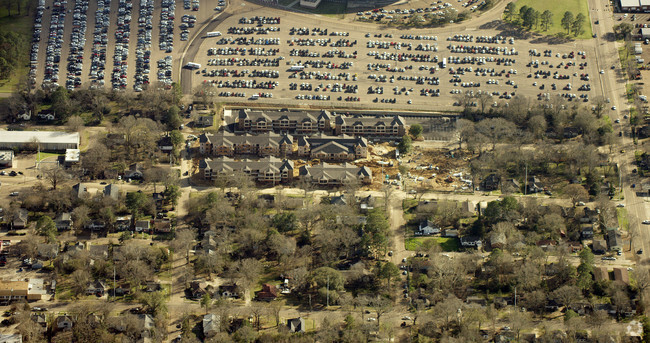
13 288
621 275
600 274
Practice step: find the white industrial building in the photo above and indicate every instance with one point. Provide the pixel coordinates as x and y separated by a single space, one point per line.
46 140
635 5
71 156
6 158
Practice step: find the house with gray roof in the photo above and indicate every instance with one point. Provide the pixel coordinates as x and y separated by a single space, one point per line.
333 174
266 170
80 190
333 148
229 144
211 325
370 126
112 191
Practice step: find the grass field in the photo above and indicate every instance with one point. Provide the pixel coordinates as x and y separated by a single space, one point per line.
330 9
446 243
621 214
22 25
558 7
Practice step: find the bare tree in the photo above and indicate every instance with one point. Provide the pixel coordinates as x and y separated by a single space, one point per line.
183 242
75 123
55 175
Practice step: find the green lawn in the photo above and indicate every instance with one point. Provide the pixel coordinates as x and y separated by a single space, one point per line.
327 8
446 243
44 155
558 7
22 25
621 214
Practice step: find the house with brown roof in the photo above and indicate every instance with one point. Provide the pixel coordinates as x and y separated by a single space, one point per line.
621 276
11 291
269 292
229 144
266 170
370 126
333 148
326 174
162 225
283 121
601 274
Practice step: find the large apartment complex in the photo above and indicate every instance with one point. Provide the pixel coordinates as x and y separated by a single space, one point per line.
229 144
266 170
305 123
326 174
332 148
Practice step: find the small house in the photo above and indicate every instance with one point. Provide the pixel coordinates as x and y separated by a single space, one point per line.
64 221
211 325
296 325
63 322
269 292
450 233
162 226
97 287
491 183
79 190
123 223
196 291
427 227
599 246
621 276
165 144
142 226
99 251
20 219
601 274
112 191
470 242
229 291
11 338
205 121
614 241
39 319
47 251
134 172
587 231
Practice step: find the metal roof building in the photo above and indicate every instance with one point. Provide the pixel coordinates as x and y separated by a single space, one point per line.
47 140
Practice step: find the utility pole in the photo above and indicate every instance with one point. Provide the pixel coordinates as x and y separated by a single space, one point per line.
114 293
526 181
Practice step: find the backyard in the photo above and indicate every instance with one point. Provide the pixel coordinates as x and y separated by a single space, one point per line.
446 243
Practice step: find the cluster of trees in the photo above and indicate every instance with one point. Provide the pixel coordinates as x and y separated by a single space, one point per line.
528 17
13 48
573 24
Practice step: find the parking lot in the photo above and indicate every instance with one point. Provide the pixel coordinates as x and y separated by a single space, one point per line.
116 44
275 56
309 61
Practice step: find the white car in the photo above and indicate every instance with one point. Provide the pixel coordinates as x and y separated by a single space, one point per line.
620 205
613 108
602 71
646 222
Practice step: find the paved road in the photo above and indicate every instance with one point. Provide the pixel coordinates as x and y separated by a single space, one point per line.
614 81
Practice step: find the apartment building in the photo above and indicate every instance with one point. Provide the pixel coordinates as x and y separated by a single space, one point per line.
230 144
267 170
333 148
379 127
326 174
298 122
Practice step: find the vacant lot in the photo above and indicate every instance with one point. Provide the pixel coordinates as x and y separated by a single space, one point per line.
558 7
446 243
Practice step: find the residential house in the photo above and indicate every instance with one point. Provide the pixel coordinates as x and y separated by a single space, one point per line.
112 191
196 290
151 286
468 206
162 226
450 233
229 291
427 228
211 325
165 144
123 223
471 242
326 174
601 274
80 190
366 203
134 172
269 292
333 148
64 322
534 185
497 240
371 126
589 215
205 121
97 287
142 226
587 231
98 252
20 219
339 200
95 225
72 157
546 243
621 276
296 325
266 170
614 241
599 246
47 251
229 144
283 121
491 182
39 319
11 338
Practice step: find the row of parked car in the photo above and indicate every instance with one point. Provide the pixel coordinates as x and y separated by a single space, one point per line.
100 40
122 39
54 44
77 44
143 46
36 38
